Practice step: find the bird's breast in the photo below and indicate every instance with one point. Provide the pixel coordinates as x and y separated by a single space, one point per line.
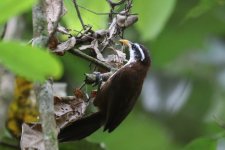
121 85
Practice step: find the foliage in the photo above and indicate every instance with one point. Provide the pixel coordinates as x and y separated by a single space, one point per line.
137 132
29 62
202 143
9 8
152 21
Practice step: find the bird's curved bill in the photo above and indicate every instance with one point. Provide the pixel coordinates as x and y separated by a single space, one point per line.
124 42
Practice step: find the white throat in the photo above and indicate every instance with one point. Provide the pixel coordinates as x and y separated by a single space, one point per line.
132 54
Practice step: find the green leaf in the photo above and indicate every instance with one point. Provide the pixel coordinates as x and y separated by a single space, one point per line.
30 62
89 18
153 15
9 8
136 132
8 140
178 38
202 144
203 7
80 145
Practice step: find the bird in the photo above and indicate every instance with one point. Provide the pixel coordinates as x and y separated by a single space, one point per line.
115 98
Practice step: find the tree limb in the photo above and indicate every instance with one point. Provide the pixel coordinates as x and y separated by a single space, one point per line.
45 98
91 59
44 91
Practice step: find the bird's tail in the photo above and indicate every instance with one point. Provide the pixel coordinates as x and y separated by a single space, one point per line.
81 128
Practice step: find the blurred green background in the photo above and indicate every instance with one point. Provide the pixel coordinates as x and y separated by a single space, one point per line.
182 105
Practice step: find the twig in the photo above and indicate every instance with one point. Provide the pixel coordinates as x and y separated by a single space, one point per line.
83 84
84 38
129 5
85 32
98 13
113 4
9 145
45 99
89 58
92 78
78 14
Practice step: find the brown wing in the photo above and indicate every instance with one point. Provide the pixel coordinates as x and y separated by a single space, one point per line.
125 87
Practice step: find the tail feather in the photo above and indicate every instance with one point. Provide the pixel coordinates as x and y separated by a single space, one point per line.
81 128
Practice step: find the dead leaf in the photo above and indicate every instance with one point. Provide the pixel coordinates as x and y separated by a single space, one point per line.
63 30
114 57
121 55
78 93
59 89
65 46
53 42
94 45
32 137
68 110
100 33
126 21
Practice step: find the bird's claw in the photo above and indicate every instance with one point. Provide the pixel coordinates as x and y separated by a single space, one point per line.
99 80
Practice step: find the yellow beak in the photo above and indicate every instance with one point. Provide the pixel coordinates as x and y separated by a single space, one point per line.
124 42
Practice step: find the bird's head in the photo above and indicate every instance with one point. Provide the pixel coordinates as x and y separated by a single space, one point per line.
137 52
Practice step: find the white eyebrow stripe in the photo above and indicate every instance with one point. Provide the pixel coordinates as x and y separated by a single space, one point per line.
141 51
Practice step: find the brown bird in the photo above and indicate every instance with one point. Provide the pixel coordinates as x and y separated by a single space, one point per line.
116 97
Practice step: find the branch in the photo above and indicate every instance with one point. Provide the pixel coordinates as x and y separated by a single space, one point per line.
46 16
91 59
97 13
78 14
120 22
40 31
45 98
43 28
93 78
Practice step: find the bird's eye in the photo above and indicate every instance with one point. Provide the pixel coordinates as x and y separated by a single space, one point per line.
134 46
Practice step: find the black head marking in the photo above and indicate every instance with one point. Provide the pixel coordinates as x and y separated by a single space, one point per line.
138 51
